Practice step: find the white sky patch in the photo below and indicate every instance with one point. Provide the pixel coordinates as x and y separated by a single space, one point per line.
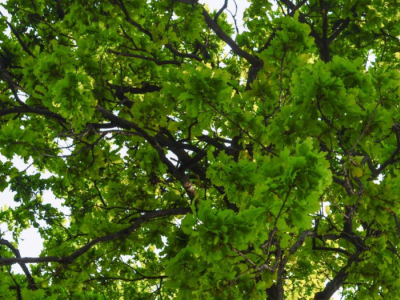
30 242
371 59
379 179
231 10
130 258
172 157
239 10
122 152
66 146
5 13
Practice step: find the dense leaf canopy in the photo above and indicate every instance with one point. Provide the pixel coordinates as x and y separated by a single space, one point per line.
201 162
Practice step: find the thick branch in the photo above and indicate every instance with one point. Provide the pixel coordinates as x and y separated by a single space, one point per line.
223 36
180 54
227 39
156 61
291 7
17 35
32 110
107 238
125 279
300 241
221 10
337 250
343 25
337 281
17 287
181 176
31 281
277 291
146 88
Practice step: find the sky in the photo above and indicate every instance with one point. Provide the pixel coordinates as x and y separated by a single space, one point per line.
30 244
241 6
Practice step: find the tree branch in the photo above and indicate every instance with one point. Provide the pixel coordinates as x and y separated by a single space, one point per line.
276 291
337 250
156 61
31 281
129 19
223 36
146 88
125 279
21 42
343 25
227 39
33 110
180 54
392 159
221 10
181 176
337 281
107 238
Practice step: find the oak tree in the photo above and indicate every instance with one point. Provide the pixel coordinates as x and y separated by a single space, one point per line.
198 162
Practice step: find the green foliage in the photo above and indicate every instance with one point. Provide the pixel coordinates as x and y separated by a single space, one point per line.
266 171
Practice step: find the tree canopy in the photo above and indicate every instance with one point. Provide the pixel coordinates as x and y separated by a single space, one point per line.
196 161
